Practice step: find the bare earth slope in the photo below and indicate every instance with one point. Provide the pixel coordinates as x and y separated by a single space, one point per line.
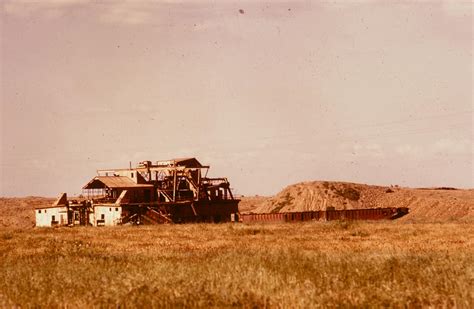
425 204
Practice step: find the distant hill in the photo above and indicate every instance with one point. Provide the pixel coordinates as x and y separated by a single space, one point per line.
427 204
19 212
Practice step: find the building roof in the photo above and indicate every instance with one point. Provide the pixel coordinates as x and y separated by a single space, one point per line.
100 182
186 162
37 207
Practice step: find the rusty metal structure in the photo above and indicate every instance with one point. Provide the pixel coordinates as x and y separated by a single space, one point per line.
171 191
174 191
328 215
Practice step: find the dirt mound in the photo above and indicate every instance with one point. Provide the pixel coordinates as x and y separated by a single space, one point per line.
251 203
19 212
434 204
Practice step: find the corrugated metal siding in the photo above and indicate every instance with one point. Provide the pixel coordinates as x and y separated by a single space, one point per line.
328 215
114 182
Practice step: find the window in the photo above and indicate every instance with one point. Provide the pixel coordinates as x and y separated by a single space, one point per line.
116 208
53 218
131 175
102 216
39 211
45 211
110 209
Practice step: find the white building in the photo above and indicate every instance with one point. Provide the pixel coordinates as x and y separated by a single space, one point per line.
51 216
63 212
105 215
54 215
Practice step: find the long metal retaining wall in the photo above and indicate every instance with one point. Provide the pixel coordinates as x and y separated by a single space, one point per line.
328 215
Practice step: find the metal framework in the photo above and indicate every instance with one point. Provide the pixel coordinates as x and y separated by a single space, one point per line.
175 191
168 191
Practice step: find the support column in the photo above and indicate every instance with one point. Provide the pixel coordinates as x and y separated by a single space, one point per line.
174 186
198 185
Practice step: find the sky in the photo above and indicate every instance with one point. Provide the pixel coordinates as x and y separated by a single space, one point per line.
268 93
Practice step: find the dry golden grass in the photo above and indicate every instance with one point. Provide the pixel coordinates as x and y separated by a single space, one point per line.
203 265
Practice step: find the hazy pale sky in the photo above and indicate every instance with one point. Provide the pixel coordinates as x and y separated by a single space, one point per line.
280 92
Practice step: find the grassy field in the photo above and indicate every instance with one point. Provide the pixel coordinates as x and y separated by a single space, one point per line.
204 265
